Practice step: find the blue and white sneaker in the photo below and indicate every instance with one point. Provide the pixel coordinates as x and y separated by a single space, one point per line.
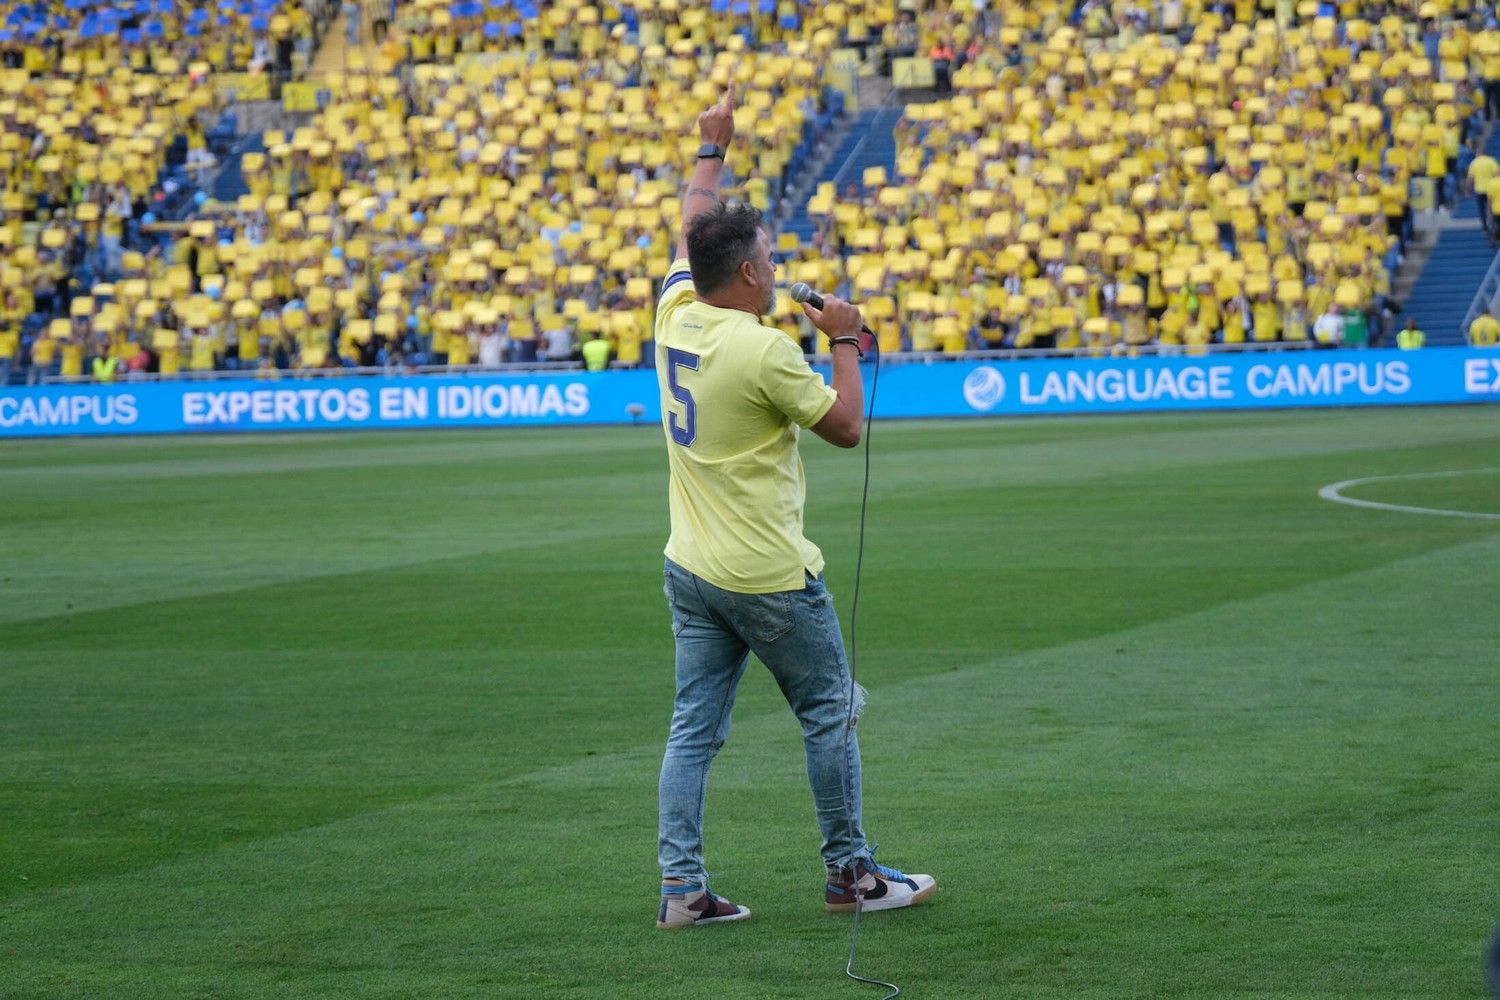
878 887
687 905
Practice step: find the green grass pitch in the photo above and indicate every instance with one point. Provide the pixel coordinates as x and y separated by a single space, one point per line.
380 715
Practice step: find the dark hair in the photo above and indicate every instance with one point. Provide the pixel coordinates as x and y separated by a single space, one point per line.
719 241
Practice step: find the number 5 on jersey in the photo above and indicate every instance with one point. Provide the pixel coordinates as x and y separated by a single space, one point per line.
686 432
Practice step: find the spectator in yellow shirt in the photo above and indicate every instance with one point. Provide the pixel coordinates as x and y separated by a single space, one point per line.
458 348
43 358
1266 317
201 352
169 359
247 344
1170 327
1437 170
1236 319
1481 172
1487 48
758 191
1485 331
10 344
1294 323
921 332
1196 334
951 335
627 339
72 358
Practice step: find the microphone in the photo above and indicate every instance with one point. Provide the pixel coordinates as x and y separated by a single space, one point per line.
802 292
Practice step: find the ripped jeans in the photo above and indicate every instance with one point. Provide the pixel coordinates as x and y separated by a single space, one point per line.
795 633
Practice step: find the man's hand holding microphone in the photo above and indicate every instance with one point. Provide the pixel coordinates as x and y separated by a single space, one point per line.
843 324
841 321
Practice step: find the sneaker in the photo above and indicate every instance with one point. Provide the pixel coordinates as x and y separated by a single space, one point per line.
882 888
687 905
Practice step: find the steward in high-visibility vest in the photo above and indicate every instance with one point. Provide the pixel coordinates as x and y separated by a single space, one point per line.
1411 338
104 368
596 354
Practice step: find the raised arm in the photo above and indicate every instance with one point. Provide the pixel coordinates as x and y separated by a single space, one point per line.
715 127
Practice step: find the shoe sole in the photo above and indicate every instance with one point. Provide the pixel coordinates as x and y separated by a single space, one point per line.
745 915
886 903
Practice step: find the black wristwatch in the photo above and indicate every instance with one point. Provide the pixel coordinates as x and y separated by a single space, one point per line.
708 151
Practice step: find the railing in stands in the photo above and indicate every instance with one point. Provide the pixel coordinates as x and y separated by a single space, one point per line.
1144 350
853 156
1484 298
901 357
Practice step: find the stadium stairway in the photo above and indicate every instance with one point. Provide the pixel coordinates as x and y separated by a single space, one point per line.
230 182
816 132
333 51
869 142
1447 285
879 149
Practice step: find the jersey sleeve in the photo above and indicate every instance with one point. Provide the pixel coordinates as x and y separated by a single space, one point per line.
791 386
676 291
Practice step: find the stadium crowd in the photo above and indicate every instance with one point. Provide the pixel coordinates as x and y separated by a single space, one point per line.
84 38
493 182
1218 179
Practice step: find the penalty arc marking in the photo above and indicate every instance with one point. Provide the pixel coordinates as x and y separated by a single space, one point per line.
1334 492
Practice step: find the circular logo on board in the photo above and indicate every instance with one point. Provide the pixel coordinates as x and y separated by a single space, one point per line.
984 387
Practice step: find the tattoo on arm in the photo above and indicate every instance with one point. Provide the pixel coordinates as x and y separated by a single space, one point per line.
705 192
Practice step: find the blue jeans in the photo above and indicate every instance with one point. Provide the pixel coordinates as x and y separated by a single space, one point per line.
795 633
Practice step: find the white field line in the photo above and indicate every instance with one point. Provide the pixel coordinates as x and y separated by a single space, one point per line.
1334 492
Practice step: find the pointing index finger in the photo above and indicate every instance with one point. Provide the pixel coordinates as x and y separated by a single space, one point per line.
729 93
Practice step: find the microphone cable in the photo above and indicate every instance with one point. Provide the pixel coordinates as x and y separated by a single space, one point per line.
859 562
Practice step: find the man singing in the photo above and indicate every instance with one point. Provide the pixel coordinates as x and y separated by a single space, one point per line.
739 575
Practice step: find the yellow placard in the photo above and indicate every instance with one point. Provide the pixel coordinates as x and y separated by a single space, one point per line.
912 73
244 86
1423 194
299 97
843 76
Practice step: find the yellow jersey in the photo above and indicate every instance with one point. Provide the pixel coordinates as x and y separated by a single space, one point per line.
43 351
627 338
734 394
458 348
1484 331
1482 171
1266 316
201 354
72 358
